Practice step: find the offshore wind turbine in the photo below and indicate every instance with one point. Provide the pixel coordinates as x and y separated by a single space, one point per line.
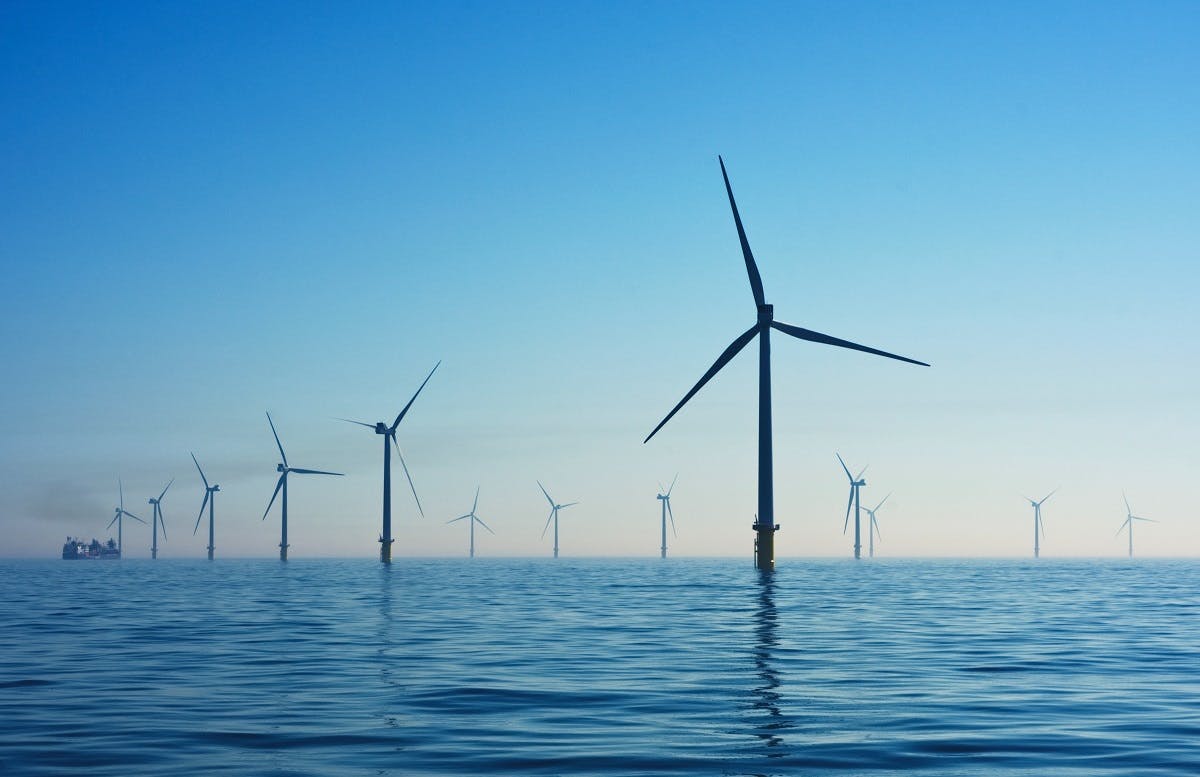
389 435
873 525
666 509
157 520
283 469
855 484
554 508
1039 528
120 512
474 520
764 524
210 499
1129 519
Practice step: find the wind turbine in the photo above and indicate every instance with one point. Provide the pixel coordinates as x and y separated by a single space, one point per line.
554 508
764 525
855 484
210 499
1039 528
283 469
873 527
1129 519
474 520
119 513
389 435
157 520
666 509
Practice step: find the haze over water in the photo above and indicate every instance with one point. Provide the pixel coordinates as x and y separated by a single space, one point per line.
600 667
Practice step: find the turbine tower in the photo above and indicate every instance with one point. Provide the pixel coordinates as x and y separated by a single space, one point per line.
157 520
475 519
1128 524
210 499
554 508
283 469
389 436
1039 528
120 513
764 524
666 510
873 526
855 484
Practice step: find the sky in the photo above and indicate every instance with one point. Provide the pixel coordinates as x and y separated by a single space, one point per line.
213 210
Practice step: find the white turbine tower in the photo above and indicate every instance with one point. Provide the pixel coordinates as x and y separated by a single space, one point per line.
1128 524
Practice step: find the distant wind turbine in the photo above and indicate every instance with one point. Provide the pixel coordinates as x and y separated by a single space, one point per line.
474 519
855 484
873 526
554 508
389 435
283 469
157 520
210 499
120 512
1128 524
665 498
764 524
1039 528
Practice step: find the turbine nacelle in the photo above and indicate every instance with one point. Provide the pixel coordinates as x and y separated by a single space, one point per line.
152 501
766 315
281 468
214 487
381 428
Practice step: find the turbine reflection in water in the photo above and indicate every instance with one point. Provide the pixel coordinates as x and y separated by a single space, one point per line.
770 723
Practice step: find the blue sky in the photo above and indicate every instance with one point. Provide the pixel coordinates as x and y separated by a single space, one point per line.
213 210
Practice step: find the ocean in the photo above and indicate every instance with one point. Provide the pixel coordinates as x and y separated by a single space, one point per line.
600 667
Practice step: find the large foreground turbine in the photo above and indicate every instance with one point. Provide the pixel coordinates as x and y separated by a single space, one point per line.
389 440
764 524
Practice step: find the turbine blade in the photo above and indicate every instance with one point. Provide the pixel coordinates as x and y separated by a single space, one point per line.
817 337
848 475
568 504
121 490
548 499
1047 496
277 442
315 472
278 485
134 517
671 514
881 501
459 518
722 360
476 504
404 466
1042 526
360 423
164 492
162 522
203 504
400 417
114 520
1123 525
1128 509
672 488
849 504
484 525
751 267
862 472
1151 520
200 470
875 527
547 526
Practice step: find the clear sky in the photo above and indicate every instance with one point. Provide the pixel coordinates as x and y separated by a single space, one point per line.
211 210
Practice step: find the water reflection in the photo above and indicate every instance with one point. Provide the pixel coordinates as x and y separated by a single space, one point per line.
770 722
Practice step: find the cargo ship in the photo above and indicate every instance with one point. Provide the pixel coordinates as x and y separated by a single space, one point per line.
75 548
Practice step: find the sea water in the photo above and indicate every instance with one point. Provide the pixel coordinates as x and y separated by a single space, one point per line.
600 667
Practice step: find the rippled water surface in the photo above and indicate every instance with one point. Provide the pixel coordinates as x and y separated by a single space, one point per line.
600 667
